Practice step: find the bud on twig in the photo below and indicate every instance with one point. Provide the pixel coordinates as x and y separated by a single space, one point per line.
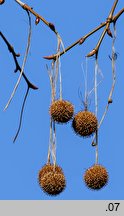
52 27
37 20
94 51
81 41
109 32
50 57
17 54
110 101
93 144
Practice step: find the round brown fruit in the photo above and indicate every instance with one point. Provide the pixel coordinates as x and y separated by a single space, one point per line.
61 111
96 177
51 179
85 123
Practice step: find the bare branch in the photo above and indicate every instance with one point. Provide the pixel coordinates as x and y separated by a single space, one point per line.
109 19
118 15
15 56
26 7
80 41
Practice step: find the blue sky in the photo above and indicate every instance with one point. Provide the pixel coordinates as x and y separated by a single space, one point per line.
21 161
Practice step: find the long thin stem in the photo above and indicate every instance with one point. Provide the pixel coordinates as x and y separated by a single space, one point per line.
51 74
97 150
50 142
96 103
95 87
54 144
113 82
23 65
21 115
60 79
58 64
113 78
86 84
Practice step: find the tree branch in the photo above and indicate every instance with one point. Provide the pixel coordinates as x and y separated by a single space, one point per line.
118 15
110 19
15 55
26 7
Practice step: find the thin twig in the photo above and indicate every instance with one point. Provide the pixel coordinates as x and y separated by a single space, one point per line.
26 7
83 38
15 56
109 19
23 65
118 15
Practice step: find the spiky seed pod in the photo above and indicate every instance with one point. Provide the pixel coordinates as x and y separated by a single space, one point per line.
61 111
51 179
2 1
96 177
84 123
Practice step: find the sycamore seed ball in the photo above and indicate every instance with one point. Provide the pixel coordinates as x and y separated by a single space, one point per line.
61 111
51 179
96 177
2 1
85 123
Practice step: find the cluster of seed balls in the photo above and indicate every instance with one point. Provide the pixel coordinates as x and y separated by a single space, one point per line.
51 178
84 122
